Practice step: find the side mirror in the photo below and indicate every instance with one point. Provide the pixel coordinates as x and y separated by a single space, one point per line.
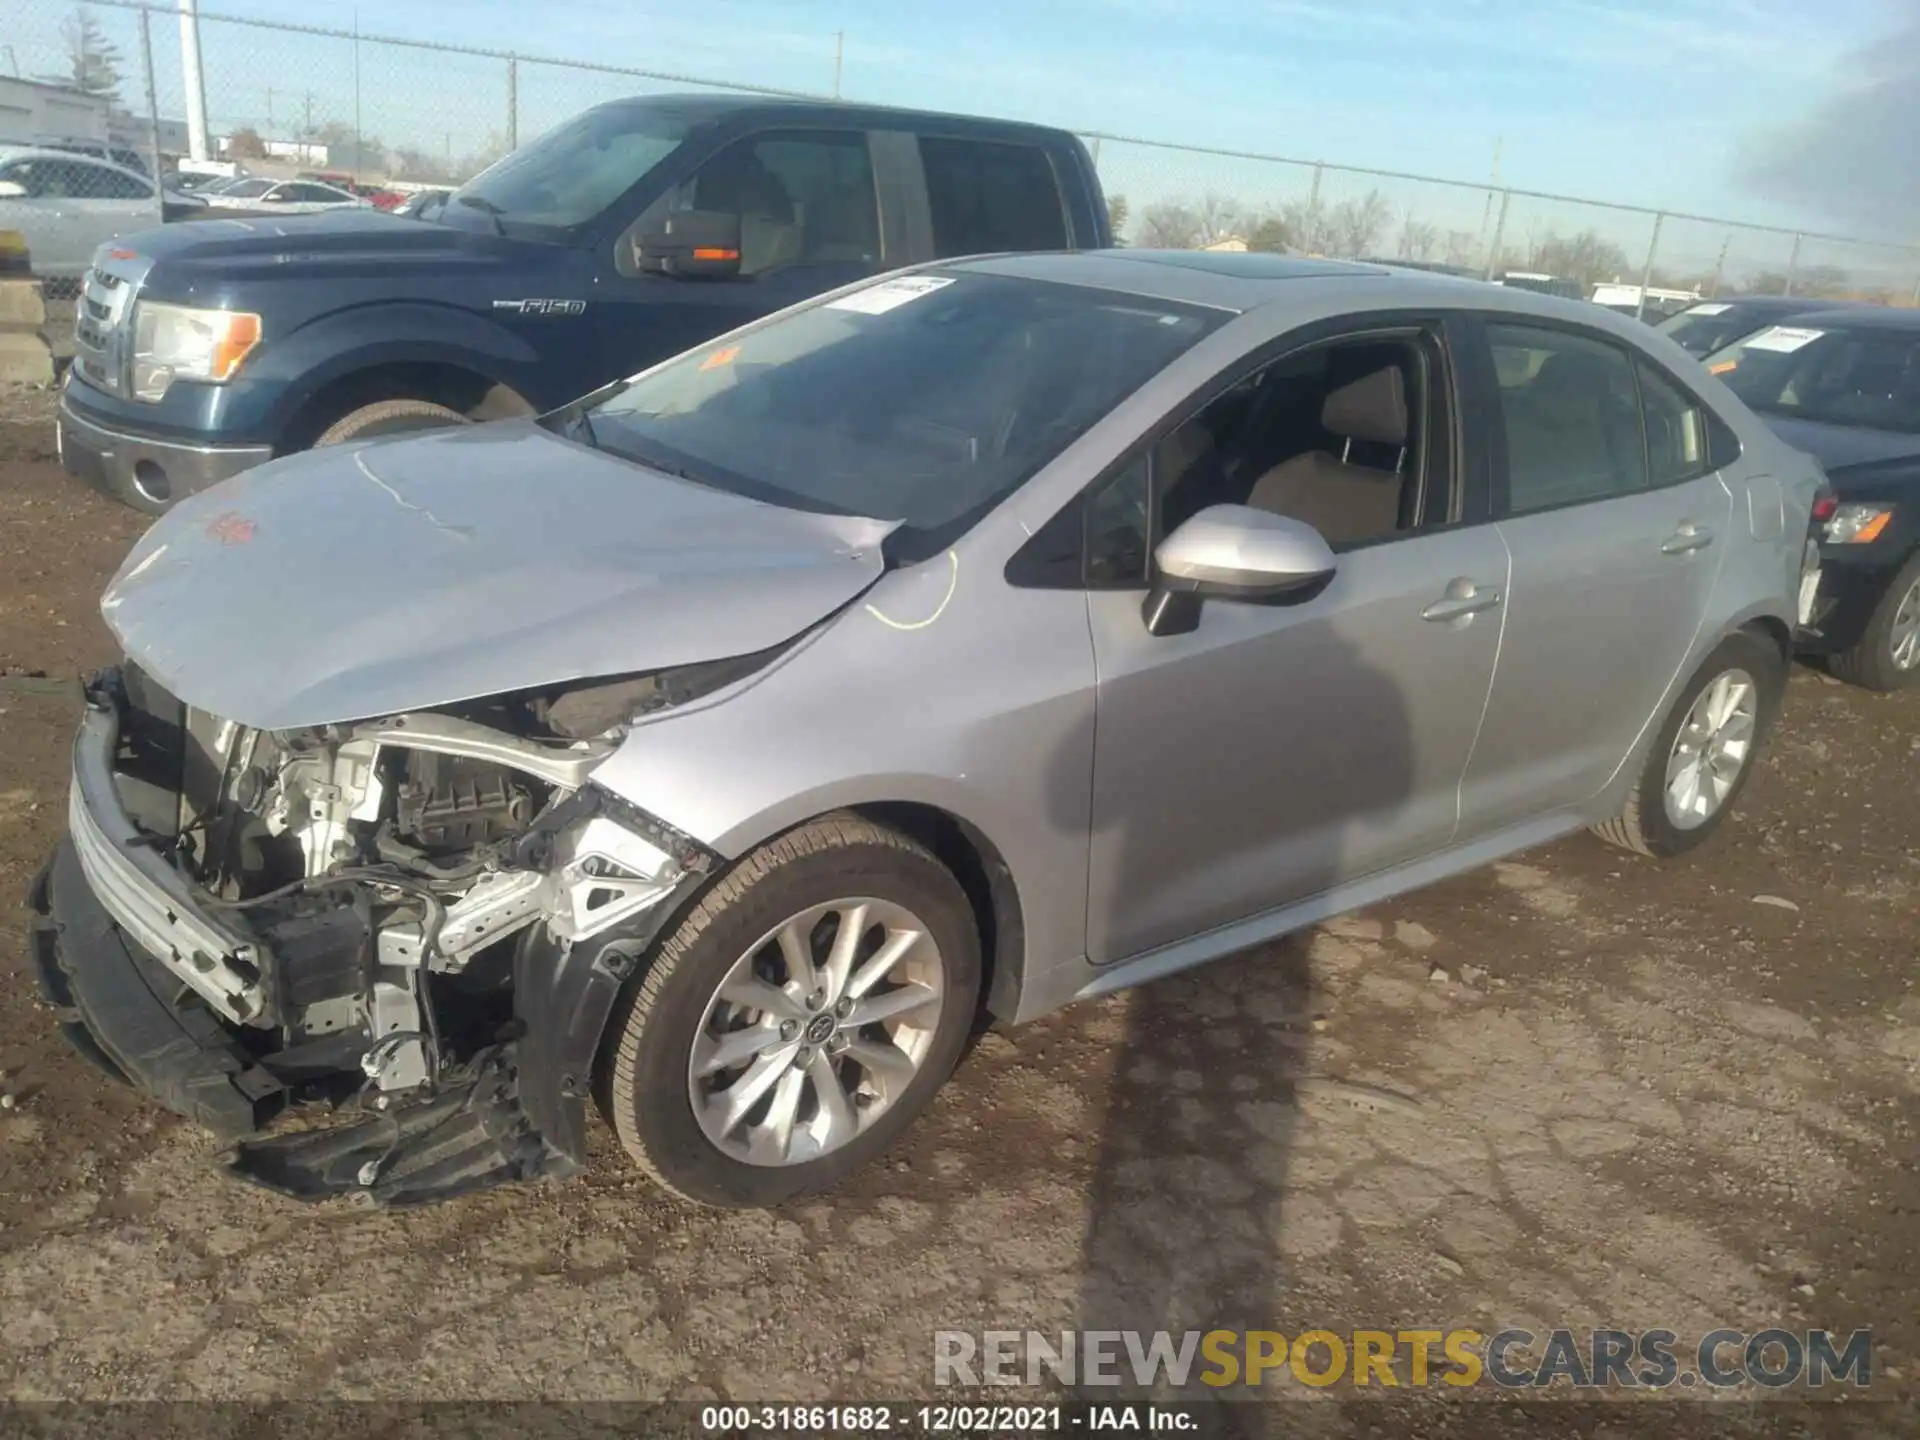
1232 552
693 244
12 190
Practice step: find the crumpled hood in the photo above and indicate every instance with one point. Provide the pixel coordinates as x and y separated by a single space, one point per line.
365 580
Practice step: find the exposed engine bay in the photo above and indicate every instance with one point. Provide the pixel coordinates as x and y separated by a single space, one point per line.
382 887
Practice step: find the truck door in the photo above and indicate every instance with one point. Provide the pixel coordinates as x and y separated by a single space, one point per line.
809 222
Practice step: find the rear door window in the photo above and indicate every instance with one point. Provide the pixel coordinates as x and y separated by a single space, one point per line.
988 196
1571 412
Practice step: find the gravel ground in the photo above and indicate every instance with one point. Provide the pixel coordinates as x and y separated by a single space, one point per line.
1628 1094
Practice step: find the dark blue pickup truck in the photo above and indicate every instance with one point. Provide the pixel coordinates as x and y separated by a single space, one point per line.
632 232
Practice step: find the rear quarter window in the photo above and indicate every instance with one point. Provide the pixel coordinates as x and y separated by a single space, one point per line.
989 195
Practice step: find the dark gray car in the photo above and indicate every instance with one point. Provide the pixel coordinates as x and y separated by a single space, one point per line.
1002 633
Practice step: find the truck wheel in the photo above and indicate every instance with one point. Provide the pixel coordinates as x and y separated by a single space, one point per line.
1703 754
389 417
1887 654
798 1019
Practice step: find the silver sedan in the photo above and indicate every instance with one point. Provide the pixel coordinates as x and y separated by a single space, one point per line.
992 636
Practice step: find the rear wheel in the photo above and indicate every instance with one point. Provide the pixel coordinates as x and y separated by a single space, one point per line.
389 417
798 1019
1704 752
1887 655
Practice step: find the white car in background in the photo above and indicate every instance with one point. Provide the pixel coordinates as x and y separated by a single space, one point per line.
67 205
285 197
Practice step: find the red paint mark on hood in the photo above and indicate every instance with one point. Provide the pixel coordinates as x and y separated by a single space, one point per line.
230 527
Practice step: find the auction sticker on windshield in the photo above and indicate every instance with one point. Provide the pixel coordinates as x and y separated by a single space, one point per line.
1709 309
1785 338
890 294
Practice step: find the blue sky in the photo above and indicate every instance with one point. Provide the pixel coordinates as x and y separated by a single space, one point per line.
1645 101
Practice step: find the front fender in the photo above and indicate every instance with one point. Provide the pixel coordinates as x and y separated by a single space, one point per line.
299 366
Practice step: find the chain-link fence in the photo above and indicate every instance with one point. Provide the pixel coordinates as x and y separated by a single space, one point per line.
304 108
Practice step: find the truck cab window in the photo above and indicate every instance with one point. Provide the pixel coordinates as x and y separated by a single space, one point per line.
988 196
803 198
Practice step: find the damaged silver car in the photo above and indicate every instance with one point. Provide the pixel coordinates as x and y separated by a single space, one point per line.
716 749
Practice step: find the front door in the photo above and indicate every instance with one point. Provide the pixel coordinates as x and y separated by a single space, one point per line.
1617 526
809 222
1279 751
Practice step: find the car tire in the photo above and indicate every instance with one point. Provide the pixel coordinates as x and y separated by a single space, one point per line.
1648 823
389 417
675 1009
1870 663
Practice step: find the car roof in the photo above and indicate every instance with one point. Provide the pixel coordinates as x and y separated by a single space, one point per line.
1245 281
1862 317
699 109
40 152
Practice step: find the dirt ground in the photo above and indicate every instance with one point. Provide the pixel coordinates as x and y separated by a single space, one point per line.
1632 1095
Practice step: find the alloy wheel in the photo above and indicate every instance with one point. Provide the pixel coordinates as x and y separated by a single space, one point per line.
816 1031
1713 748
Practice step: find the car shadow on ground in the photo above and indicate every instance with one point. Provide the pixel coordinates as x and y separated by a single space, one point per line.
1188 1209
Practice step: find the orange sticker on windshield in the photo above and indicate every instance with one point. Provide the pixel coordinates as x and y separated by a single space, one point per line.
720 358
1723 367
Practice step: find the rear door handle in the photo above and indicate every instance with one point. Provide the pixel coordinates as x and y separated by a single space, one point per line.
1689 537
1463 598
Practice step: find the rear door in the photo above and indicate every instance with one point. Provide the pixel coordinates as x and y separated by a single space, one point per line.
1617 525
810 221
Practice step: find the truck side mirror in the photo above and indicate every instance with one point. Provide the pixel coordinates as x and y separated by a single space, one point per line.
692 244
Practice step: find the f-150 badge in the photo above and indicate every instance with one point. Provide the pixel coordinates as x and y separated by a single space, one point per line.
542 307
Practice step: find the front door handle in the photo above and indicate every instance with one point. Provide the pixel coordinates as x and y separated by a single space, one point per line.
1688 538
1463 598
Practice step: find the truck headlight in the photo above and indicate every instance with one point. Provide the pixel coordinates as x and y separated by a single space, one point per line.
174 342
1857 524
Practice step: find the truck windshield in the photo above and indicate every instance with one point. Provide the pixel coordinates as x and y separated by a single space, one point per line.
923 398
549 188
1867 377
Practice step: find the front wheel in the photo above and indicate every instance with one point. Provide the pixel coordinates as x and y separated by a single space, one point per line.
798 1019
1887 655
1704 751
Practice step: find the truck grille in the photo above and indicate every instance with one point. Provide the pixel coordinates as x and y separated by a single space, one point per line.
102 324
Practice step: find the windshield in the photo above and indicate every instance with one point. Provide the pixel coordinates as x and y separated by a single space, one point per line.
1703 329
1868 378
569 175
247 189
923 398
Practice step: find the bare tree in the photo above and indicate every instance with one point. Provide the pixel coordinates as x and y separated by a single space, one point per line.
1190 224
1462 248
1118 213
1419 239
1354 225
1587 257
246 144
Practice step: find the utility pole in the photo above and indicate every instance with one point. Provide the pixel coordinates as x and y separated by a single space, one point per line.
192 80
1486 211
839 59
269 110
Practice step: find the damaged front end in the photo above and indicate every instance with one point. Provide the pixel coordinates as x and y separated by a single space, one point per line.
422 919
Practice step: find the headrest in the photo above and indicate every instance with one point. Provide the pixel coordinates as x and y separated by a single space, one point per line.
1374 408
1571 373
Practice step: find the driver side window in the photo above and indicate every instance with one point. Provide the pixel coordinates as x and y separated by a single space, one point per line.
803 198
